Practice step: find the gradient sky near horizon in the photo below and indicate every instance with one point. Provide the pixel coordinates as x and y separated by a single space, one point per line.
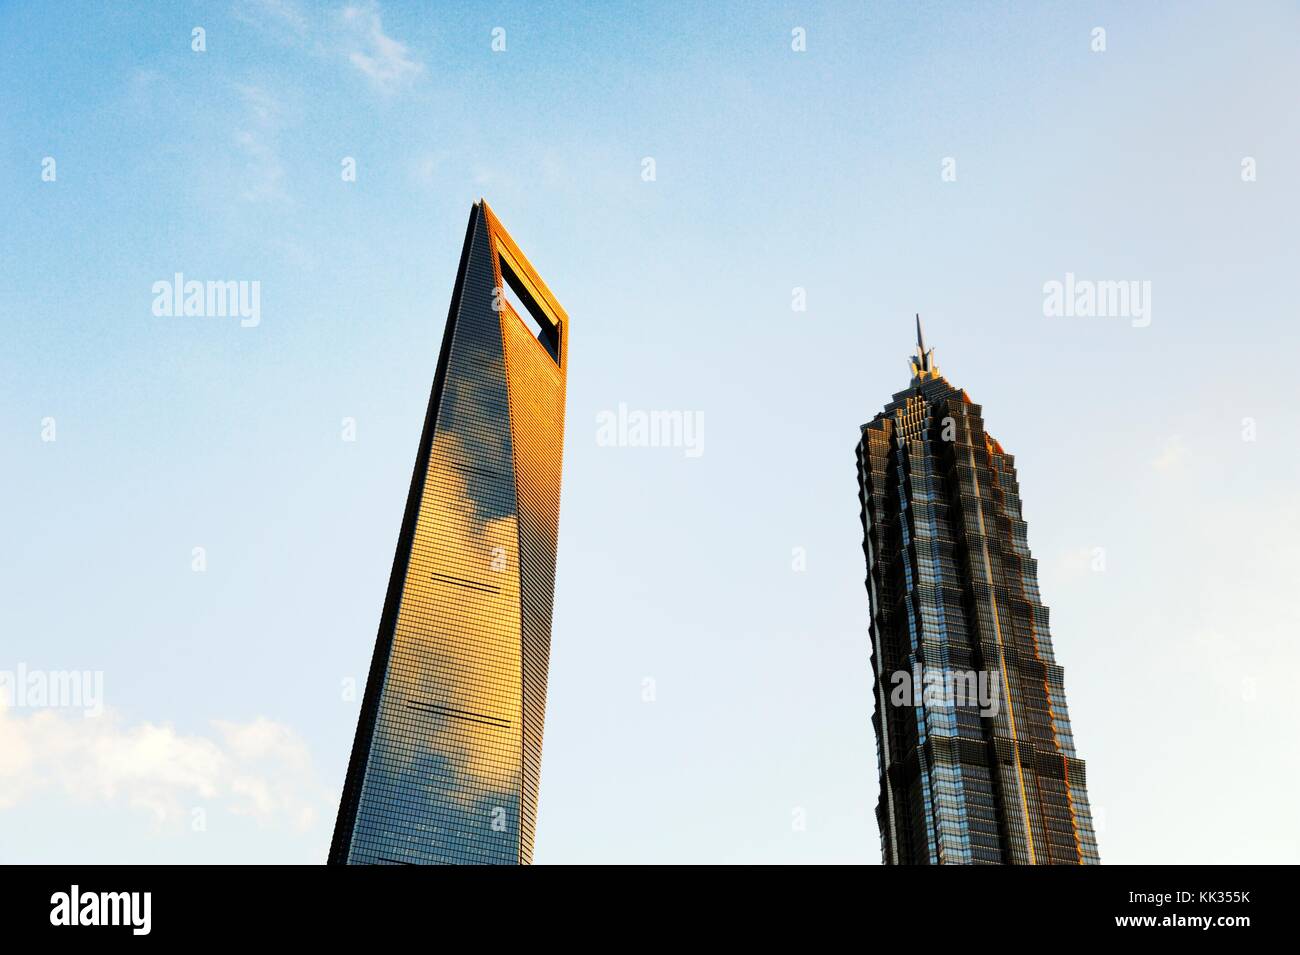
1158 464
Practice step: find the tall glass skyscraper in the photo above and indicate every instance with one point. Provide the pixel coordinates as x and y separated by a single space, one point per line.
447 756
976 758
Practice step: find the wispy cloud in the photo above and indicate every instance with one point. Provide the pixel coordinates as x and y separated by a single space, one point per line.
1080 561
386 62
281 20
257 138
354 34
425 167
260 769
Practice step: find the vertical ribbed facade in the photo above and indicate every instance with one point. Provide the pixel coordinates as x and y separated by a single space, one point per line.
447 756
954 592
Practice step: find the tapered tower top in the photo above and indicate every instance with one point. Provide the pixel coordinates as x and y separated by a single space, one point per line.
923 365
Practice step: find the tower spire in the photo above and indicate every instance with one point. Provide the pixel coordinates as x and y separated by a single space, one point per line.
923 366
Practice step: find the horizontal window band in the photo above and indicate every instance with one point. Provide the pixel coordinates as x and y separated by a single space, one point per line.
468 584
452 713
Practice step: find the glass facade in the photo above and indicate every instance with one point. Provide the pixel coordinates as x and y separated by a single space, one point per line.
447 756
954 591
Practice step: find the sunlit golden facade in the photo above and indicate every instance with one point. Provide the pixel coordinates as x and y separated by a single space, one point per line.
447 757
954 590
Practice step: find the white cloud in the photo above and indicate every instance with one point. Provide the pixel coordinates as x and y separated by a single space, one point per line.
261 769
1172 457
385 62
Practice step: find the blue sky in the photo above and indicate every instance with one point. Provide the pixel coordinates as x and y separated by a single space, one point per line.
775 170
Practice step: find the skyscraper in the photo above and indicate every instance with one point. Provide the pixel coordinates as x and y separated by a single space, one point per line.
976 757
447 756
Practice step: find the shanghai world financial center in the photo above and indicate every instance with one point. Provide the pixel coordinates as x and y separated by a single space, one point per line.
448 749
446 762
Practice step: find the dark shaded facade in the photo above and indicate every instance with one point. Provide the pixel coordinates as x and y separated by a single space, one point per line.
447 756
953 590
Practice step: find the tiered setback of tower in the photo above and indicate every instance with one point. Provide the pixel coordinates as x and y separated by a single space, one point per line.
953 589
